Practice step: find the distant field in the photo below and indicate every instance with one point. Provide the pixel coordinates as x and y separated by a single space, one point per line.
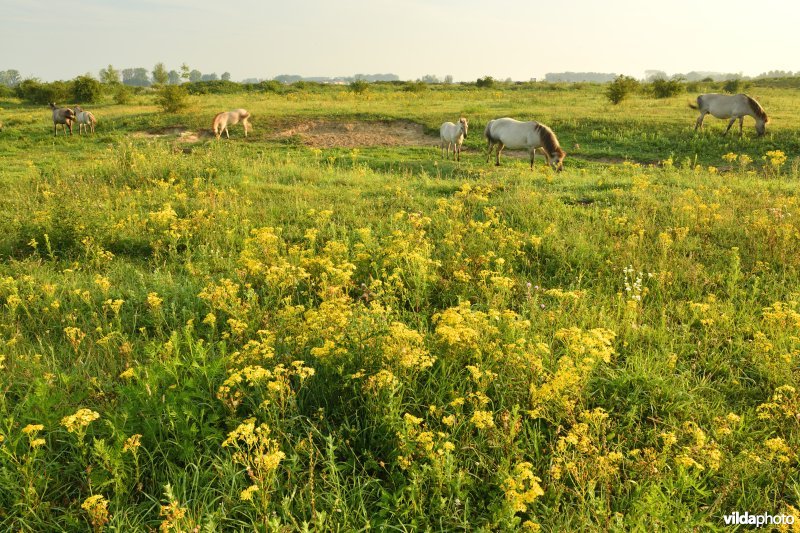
327 326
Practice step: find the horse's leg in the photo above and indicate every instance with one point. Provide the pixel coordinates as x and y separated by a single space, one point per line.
730 123
741 122
500 147
489 151
699 123
227 135
546 157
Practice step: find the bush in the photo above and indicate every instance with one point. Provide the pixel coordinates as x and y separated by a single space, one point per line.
270 86
122 94
666 88
214 87
86 89
172 98
36 92
620 88
359 86
486 81
733 86
415 87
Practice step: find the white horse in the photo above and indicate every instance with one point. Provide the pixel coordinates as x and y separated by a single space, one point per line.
453 134
84 118
226 118
64 116
516 135
731 106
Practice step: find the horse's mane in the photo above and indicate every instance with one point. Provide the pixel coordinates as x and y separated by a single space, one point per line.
549 140
756 108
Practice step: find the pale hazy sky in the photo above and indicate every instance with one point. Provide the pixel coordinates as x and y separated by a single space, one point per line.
520 39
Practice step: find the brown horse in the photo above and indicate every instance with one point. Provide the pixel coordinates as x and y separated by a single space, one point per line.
64 116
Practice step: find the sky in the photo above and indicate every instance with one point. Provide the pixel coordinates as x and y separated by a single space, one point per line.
518 39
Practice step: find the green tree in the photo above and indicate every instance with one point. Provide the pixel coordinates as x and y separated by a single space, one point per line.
185 72
86 89
226 76
10 78
195 75
174 77
109 75
160 74
486 81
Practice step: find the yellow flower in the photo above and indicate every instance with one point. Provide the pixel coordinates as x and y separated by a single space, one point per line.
449 420
128 373
132 443
154 301
247 494
35 443
482 419
97 508
32 428
80 420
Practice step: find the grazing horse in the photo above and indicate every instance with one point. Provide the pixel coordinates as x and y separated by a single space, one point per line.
507 132
64 116
222 120
84 118
453 134
731 106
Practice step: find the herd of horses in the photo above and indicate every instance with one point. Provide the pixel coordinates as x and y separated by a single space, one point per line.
500 133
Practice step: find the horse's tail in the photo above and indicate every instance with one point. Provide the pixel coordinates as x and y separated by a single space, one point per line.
693 106
487 130
92 119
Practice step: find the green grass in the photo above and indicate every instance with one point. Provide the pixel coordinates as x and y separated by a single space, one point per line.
624 336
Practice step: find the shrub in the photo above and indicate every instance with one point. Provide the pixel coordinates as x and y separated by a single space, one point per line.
666 88
214 87
415 87
86 89
172 98
270 86
620 88
36 92
732 86
486 81
122 94
359 86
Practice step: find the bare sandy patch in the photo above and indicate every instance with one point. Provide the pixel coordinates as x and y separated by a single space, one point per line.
353 134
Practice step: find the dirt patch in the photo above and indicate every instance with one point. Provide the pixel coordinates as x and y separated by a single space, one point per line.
332 134
183 133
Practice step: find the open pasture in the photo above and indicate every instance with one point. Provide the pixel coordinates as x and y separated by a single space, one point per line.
286 332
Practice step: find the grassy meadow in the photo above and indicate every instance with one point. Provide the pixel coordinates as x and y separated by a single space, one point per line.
261 334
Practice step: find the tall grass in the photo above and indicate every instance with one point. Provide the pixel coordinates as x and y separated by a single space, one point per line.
255 334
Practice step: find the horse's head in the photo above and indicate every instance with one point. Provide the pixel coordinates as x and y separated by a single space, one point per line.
52 105
761 126
557 159
464 126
